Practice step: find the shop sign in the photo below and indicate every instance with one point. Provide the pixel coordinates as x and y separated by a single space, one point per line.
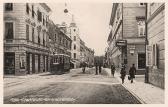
121 43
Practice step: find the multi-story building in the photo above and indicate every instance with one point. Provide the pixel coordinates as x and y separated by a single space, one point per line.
89 56
25 38
86 54
82 51
127 37
155 49
60 43
75 50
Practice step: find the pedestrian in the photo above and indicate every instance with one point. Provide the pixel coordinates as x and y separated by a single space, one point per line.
99 68
132 72
123 73
112 69
83 68
96 66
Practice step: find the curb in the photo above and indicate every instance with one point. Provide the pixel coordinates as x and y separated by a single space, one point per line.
138 98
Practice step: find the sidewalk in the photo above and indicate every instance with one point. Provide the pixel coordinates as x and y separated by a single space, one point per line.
146 93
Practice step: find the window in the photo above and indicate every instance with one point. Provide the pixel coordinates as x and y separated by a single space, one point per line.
27 32
39 15
8 6
74 47
32 34
74 38
141 28
74 30
141 61
9 30
33 11
43 38
39 36
27 8
141 4
118 13
74 55
55 37
43 21
155 56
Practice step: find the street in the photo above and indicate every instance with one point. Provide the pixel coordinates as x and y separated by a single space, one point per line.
71 88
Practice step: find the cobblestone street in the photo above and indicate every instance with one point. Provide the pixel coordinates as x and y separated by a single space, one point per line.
71 88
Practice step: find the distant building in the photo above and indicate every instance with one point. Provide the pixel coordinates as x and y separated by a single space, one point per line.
82 51
155 49
25 38
59 42
75 50
86 54
126 40
89 56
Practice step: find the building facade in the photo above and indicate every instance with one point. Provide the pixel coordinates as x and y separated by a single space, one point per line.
155 49
89 56
59 42
25 38
75 50
126 41
86 54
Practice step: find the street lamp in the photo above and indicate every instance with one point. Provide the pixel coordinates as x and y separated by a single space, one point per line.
65 10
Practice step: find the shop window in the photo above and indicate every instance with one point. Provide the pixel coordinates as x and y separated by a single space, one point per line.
22 61
141 61
9 30
8 6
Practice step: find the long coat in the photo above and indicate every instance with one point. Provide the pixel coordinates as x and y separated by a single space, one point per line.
132 72
123 73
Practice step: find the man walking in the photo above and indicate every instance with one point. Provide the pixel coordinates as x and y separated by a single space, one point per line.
84 67
132 72
99 68
112 69
123 73
96 66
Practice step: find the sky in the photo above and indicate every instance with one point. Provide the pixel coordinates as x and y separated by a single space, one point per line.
92 20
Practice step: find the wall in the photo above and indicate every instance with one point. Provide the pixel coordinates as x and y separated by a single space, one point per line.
156 35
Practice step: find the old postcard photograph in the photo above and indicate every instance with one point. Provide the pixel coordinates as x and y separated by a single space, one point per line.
83 52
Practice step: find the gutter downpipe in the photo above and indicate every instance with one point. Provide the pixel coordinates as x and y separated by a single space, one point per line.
146 43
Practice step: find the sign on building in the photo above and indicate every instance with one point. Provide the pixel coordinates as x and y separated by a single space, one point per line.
120 43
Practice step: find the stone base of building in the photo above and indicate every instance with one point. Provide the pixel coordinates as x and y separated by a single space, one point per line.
156 78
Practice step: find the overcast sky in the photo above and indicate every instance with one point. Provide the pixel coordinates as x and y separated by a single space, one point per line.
91 18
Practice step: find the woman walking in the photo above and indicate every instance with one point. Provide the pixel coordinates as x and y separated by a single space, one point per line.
132 72
123 73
